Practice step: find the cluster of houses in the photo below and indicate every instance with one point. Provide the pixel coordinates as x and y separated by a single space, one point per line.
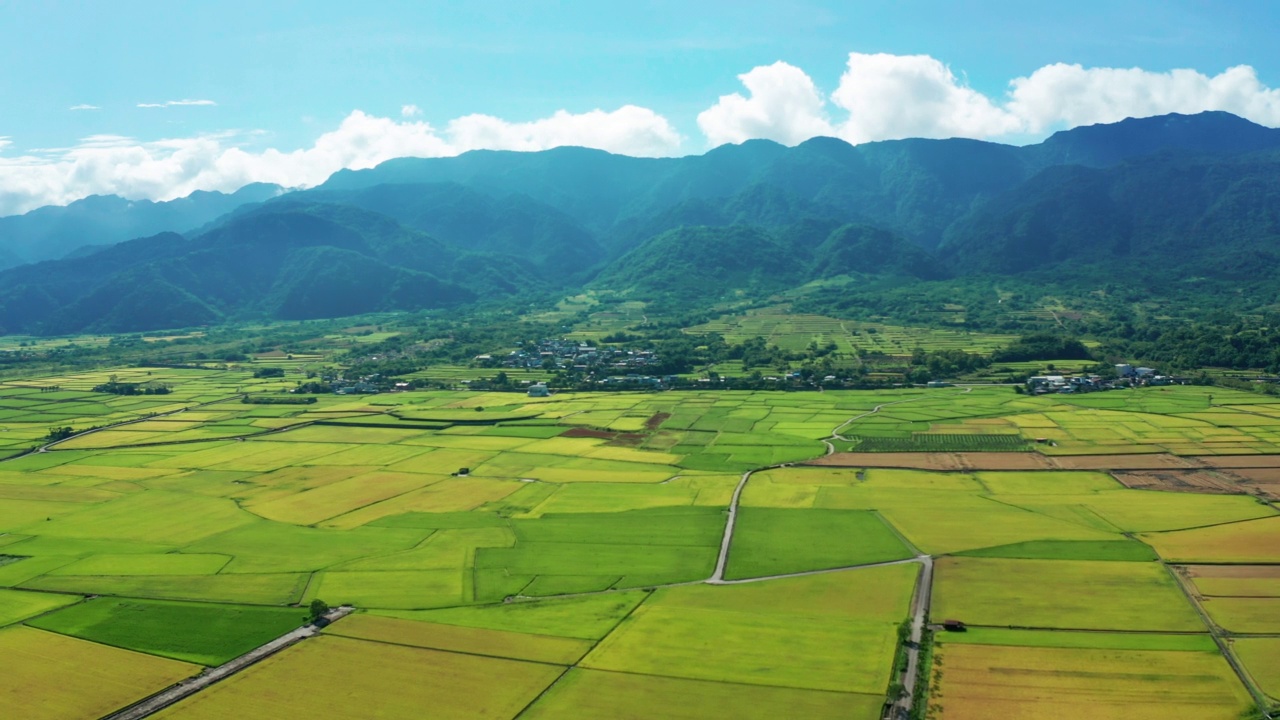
1126 376
562 354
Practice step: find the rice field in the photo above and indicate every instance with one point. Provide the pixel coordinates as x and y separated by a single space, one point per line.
548 557
983 681
1062 594
52 677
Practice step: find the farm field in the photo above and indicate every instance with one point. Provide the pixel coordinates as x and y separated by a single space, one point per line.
550 556
51 677
337 677
795 332
1262 658
982 681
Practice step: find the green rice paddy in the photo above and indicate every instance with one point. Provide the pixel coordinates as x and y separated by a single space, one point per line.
578 532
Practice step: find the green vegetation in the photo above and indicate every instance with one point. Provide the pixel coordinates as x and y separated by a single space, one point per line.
1117 550
777 541
583 531
195 632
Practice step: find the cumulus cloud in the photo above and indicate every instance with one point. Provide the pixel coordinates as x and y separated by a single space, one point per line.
1073 95
178 103
784 105
410 111
171 168
882 97
84 106
897 96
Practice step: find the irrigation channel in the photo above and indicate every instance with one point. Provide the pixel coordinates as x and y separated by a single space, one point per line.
901 707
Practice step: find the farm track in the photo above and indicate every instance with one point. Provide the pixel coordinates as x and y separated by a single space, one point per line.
920 600
184 689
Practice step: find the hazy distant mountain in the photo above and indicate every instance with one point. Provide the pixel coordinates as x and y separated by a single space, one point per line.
1213 133
53 232
289 261
1185 196
473 221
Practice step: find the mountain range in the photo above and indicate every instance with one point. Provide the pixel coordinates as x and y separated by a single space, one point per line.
1196 195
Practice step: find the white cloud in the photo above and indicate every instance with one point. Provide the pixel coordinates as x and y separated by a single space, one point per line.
166 169
784 106
83 106
1073 95
409 111
897 96
882 97
178 103
629 130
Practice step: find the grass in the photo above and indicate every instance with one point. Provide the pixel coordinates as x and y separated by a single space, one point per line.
1065 594
340 678
775 541
625 696
978 681
53 677
193 632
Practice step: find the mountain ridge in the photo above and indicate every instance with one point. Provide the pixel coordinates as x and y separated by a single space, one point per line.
1185 195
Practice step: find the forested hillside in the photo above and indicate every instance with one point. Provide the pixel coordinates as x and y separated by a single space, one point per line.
1134 209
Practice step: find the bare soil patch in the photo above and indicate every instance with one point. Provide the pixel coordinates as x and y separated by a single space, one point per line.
1154 461
915 461
1240 461
1234 571
940 461
614 438
656 421
1194 481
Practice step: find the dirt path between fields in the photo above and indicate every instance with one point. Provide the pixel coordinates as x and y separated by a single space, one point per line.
186 688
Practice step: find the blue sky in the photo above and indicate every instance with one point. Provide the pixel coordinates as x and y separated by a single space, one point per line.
289 91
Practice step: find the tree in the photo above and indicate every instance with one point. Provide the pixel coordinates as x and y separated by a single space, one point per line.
318 608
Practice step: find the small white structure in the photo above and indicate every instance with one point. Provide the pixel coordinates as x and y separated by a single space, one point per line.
539 390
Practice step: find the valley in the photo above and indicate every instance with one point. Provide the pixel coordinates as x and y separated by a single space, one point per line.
563 555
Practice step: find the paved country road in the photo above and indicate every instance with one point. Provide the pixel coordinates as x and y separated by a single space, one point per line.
190 686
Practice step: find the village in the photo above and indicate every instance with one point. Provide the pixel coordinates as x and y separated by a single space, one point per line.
1126 376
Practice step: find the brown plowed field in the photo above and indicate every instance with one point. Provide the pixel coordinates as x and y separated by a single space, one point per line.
1200 481
1240 461
1153 461
1230 474
940 461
